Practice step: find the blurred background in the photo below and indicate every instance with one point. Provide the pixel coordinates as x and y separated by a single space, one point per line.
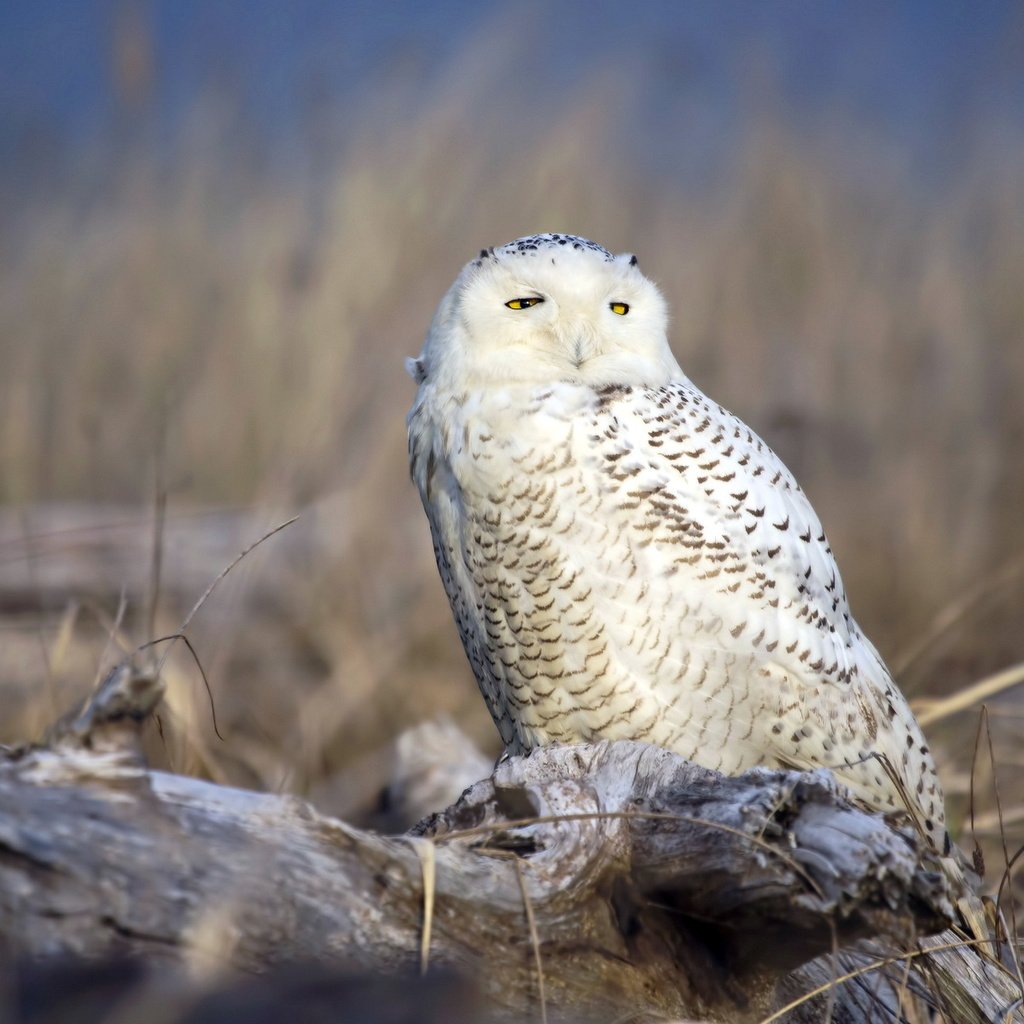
225 224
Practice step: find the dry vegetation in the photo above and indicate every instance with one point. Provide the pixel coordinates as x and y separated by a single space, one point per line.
240 334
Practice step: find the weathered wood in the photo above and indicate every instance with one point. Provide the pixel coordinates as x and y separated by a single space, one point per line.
51 554
657 889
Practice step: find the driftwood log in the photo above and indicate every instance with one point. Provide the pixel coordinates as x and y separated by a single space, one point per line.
612 882
53 554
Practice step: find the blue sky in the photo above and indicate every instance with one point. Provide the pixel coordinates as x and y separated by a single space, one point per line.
915 71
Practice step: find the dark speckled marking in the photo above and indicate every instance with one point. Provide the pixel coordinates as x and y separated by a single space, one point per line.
534 244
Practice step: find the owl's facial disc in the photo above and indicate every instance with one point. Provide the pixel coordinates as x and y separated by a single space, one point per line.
551 308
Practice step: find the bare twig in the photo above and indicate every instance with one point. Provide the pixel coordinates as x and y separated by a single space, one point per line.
209 590
113 628
954 612
1008 861
159 512
180 635
195 657
931 711
534 938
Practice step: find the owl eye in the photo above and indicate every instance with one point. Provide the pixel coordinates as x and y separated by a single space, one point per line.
524 303
621 308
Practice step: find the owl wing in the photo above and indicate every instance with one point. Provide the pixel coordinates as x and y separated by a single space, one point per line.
735 557
715 514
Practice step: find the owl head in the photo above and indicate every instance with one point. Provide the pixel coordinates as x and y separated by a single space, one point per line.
544 309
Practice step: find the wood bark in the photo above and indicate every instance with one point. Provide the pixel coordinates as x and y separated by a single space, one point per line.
593 883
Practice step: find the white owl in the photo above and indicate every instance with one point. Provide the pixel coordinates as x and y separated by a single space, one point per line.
626 559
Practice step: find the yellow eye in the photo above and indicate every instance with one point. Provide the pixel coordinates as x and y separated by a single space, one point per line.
619 307
524 303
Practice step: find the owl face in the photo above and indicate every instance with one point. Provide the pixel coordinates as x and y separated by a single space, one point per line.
544 309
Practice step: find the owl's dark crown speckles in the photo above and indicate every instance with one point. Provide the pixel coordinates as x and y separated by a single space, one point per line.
534 244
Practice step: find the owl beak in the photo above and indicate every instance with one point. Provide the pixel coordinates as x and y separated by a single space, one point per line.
582 349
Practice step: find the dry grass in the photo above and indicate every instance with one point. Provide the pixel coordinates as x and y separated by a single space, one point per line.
252 327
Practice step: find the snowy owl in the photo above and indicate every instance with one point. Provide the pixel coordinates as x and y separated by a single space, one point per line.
624 558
